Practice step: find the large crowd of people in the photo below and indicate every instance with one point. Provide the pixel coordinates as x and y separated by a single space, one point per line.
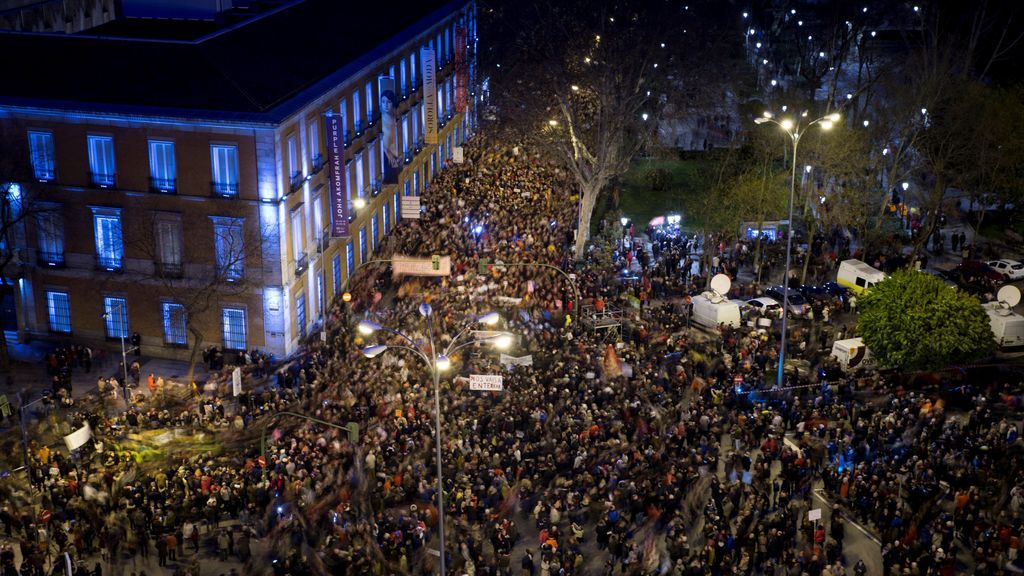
667 450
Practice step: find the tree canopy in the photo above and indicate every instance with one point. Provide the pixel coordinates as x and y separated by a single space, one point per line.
913 321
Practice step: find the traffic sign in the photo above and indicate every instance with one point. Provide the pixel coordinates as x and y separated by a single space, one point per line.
262 461
45 516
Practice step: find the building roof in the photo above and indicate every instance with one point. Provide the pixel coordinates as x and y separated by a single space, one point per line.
260 71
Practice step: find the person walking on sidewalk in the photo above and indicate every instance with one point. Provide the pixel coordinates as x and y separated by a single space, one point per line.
223 543
161 551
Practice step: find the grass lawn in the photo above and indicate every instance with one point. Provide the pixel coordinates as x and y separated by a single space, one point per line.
640 203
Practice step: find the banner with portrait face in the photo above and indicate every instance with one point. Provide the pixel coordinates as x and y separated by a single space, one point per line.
393 155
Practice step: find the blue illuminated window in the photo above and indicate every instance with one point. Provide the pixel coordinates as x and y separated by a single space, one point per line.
41 153
109 246
50 228
369 102
362 245
233 320
101 160
115 316
386 215
59 307
300 314
224 160
350 259
396 211
162 169
229 245
174 324
337 273
373 231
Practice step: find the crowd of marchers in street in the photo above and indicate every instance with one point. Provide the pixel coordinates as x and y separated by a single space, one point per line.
633 455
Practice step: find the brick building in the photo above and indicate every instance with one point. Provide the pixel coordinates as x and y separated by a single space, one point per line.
180 189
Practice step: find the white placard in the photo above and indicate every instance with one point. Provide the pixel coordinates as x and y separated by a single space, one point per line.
457 155
78 438
814 514
486 382
410 207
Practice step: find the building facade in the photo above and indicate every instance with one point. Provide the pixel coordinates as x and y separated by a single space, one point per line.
206 217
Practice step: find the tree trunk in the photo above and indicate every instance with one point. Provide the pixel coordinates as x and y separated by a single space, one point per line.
810 253
194 355
588 198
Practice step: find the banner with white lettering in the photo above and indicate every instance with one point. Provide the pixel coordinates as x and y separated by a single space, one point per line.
339 183
413 266
486 382
428 61
507 360
461 77
410 207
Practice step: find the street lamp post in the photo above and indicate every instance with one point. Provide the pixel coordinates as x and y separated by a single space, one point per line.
124 354
795 132
436 363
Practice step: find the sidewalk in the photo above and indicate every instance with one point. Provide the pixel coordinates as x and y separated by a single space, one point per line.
28 370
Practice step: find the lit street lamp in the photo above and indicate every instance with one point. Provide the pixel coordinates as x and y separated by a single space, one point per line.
795 131
436 363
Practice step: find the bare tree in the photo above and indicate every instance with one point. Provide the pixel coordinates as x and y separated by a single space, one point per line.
219 265
589 81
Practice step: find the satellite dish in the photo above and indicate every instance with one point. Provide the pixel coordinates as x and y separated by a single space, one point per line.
1009 295
721 284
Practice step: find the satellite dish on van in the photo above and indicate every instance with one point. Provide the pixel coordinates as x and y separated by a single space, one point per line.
721 284
1009 295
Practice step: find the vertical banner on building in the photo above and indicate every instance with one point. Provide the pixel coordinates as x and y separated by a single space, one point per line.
429 96
338 184
461 77
393 157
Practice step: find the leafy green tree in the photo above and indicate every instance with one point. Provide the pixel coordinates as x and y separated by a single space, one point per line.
913 321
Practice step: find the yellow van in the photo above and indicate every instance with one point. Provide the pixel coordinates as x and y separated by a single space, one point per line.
858 276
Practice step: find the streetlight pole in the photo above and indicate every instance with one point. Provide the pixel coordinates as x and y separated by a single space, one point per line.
795 132
436 363
124 355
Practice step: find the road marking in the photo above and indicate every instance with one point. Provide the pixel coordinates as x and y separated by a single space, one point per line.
818 493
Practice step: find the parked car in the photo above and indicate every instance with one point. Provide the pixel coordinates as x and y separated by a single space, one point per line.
826 290
766 306
1011 269
798 306
944 276
976 270
976 285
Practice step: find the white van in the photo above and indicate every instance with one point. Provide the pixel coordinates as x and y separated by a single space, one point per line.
858 276
1007 327
711 310
852 354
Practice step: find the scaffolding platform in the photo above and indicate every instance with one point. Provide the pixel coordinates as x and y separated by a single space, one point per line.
607 321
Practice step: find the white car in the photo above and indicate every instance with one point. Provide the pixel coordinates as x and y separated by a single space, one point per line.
1012 269
766 306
